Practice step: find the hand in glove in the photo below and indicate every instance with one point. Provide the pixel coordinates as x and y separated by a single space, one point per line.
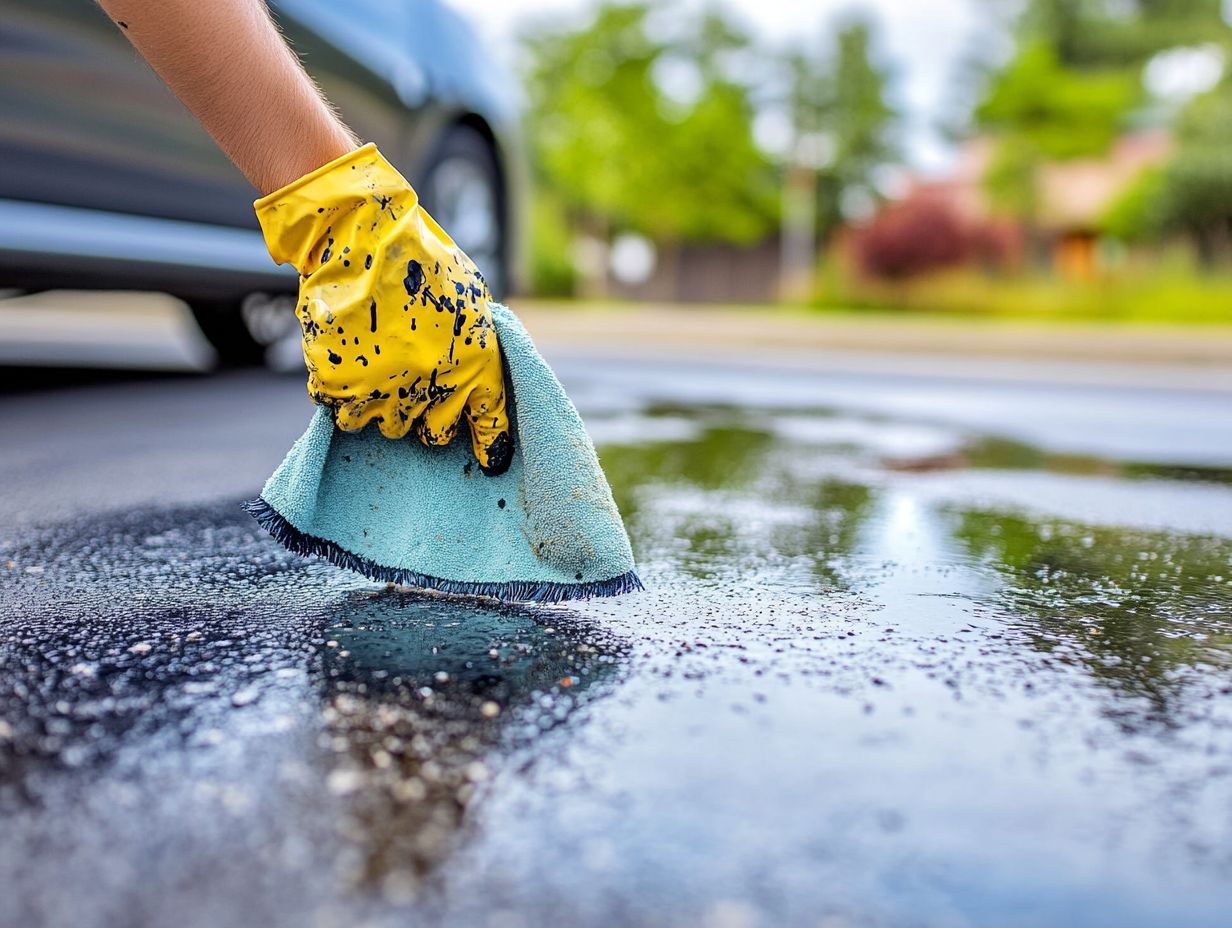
395 318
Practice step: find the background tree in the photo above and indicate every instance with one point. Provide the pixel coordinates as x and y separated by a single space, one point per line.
1101 34
842 117
592 110
1040 109
1074 83
843 130
1195 190
616 152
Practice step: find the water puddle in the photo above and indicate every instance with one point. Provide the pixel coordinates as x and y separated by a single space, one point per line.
888 672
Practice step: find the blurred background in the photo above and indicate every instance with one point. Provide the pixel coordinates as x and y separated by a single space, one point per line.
1007 160
1021 157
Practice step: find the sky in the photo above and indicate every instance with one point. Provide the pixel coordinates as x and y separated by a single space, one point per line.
924 40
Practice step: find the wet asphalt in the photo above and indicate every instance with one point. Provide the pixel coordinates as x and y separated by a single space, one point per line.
917 650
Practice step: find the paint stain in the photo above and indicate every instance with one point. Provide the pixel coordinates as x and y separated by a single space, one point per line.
500 454
414 279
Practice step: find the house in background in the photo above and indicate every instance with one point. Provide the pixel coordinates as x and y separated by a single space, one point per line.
1076 195
1073 195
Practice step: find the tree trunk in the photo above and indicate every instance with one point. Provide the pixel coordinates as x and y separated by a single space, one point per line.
799 234
669 267
592 260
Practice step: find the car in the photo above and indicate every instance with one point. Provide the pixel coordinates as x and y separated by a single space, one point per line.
107 182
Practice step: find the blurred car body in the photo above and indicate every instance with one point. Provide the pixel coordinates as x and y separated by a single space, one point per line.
107 182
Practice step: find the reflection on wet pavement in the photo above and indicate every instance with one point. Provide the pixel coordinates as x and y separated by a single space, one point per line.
1148 614
853 695
165 712
417 697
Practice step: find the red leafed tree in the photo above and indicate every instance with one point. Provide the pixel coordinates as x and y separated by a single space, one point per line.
909 238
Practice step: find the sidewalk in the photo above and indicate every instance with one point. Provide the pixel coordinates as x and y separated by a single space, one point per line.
150 330
1184 357
706 327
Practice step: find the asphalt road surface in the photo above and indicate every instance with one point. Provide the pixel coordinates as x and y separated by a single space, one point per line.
924 644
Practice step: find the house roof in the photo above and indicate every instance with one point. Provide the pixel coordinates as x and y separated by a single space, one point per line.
1074 194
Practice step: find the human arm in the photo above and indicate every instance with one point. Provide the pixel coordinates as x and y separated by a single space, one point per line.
228 64
397 329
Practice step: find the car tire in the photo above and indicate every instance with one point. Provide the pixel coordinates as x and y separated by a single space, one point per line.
222 324
462 188
242 330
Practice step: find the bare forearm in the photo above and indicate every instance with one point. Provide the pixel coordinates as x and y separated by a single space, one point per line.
228 64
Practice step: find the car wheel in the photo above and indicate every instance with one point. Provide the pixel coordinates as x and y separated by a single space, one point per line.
241 331
461 188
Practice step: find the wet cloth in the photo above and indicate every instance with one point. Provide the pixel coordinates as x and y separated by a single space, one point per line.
397 510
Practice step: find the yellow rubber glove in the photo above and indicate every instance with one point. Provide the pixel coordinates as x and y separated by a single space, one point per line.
395 318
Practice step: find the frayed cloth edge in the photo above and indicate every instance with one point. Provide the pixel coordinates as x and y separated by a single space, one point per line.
539 591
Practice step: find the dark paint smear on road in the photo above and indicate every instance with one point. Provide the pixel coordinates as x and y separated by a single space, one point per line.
414 700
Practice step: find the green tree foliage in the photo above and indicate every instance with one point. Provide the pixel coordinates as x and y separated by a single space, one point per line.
1197 183
1072 83
1103 34
621 154
838 98
1137 214
1041 109
1054 110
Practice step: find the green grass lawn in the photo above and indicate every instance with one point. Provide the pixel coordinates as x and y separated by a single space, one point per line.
1142 299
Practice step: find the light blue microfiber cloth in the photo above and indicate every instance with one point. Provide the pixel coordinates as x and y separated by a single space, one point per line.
398 511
